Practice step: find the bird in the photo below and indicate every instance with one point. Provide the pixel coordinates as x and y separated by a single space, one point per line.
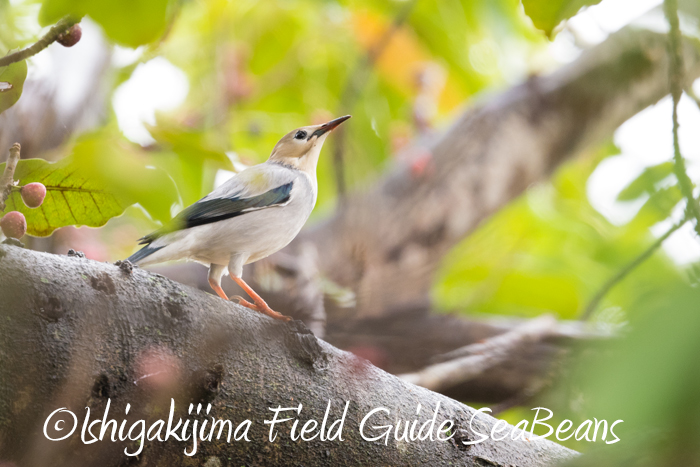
255 213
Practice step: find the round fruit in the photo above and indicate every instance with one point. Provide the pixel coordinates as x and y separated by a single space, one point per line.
13 224
70 37
33 194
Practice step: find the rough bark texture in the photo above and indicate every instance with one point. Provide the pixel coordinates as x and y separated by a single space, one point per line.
73 332
387 243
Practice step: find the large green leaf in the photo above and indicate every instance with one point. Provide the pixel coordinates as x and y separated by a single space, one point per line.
72 197
11 82
127 22
547 14
646 182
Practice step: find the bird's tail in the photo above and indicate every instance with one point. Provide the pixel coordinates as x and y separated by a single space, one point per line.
148 250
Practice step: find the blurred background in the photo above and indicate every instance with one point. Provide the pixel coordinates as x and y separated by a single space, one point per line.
166 100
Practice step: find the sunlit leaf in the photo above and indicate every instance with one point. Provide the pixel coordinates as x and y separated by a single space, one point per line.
547 14
11 82
72 197
127 22
646 182
659 206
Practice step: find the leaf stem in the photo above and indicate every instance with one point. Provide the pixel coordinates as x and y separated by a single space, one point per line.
631 266
62 26
676 81
7 179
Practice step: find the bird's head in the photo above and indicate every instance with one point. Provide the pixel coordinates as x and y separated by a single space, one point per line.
300 148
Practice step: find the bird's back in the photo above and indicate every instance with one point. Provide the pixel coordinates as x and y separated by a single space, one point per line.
255 213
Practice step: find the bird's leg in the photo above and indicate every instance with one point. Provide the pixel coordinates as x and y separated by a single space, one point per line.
260 304
217 288
215 273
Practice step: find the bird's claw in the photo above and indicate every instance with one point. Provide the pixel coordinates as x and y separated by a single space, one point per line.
242 301
263 308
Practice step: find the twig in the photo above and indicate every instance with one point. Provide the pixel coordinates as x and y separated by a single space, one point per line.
352 87
62 26
676 79
472 360
7 179
631 266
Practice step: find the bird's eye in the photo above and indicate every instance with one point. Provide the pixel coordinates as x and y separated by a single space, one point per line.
301 134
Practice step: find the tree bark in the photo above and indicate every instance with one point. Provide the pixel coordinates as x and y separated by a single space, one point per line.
75 332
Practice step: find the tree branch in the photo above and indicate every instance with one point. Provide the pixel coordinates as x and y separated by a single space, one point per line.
98 331
62 26
7 179
465 363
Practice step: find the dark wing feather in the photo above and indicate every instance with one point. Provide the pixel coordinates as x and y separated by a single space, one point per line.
206 211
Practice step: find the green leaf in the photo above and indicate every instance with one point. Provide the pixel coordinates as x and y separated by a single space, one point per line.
659 206
646 182
11 82
547 14
127 22
72 197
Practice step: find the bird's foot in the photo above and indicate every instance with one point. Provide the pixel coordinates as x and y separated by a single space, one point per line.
262 307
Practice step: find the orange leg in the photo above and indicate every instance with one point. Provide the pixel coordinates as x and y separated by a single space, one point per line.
217 288
260 304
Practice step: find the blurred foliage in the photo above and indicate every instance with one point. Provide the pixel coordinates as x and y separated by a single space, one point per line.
650 379
551 250
258 69
122 168
11 82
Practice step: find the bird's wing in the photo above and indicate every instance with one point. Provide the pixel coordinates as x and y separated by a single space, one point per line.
240 195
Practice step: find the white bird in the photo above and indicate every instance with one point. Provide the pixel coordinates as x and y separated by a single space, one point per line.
254 214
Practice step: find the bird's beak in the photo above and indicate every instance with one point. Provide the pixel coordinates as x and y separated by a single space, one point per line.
329 126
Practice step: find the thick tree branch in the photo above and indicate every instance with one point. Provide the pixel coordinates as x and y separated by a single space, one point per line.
76 332
62 26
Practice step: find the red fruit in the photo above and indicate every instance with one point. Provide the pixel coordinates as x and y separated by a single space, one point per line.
13 224
70 37
33 194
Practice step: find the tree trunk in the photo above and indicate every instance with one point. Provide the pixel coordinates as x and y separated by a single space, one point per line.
75 332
